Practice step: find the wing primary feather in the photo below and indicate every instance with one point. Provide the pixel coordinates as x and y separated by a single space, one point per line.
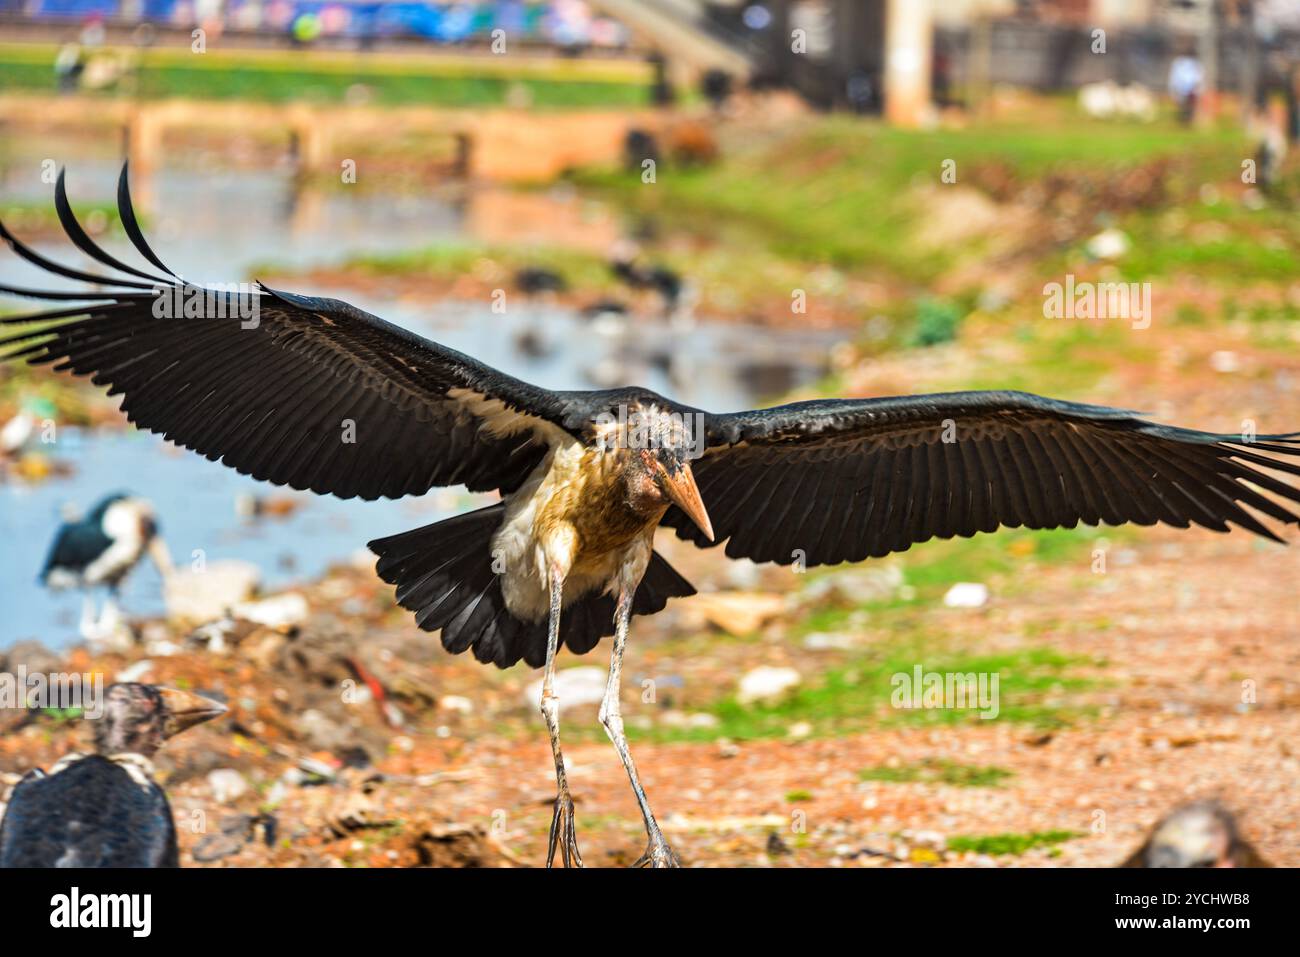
126 215
82 241
36 259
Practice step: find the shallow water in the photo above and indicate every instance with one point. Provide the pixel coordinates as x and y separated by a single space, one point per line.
239 219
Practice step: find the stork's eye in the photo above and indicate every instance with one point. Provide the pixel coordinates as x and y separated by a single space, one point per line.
669 458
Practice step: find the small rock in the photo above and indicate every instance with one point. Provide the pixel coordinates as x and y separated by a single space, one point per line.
279 611
967 595
276 794
456 703
736 612
574 687
824 640
227 785
202 596
766 684
855 586
1108 244
316 771
1225 361
322 733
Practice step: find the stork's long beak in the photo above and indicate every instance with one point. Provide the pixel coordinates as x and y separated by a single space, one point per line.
185 710
161 557
681 489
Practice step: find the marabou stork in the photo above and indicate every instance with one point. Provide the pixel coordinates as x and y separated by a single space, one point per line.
104 809
317 394
1199 834
101 549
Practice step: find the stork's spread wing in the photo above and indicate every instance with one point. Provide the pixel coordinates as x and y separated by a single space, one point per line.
311 393
833 481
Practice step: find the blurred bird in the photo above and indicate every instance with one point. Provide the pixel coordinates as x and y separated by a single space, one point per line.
16 432
666 283
102 549
104 809
535 280
1200 834
567 556
607 318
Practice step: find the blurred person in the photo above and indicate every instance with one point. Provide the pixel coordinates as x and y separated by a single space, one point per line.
717 87
69 64
92 31
1186 80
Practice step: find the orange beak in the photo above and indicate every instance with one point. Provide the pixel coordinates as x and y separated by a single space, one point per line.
682 491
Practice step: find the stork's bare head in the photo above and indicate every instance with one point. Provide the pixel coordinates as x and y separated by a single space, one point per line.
138 718
657 448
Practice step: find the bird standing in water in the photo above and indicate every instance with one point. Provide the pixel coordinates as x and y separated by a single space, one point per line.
101 549
317 394
104 809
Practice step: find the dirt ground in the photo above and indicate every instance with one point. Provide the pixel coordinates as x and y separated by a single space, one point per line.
1170 726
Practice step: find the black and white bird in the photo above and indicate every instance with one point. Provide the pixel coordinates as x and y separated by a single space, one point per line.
100 550
263 380
105 809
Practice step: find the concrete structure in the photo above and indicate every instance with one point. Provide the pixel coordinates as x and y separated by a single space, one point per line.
501 145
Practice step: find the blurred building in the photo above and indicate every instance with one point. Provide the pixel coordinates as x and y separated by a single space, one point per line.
566 24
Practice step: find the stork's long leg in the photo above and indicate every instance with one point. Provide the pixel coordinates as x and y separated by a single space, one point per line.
562 828
88 621
111 616
657 852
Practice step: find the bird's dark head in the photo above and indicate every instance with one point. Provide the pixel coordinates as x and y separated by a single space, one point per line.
138 718
656 448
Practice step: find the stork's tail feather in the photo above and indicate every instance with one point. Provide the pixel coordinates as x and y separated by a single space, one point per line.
443 573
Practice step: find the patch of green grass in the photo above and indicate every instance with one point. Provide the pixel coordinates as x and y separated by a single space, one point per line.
452 260
939 771
1010 843
1033 688
1008 555
937 321
324 77
31 219
798 795
62 715
830 191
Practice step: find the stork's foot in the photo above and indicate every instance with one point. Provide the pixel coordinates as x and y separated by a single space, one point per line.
658 854
562 833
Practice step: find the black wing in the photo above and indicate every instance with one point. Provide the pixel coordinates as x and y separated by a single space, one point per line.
841 480
311 393
75 546
92 813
